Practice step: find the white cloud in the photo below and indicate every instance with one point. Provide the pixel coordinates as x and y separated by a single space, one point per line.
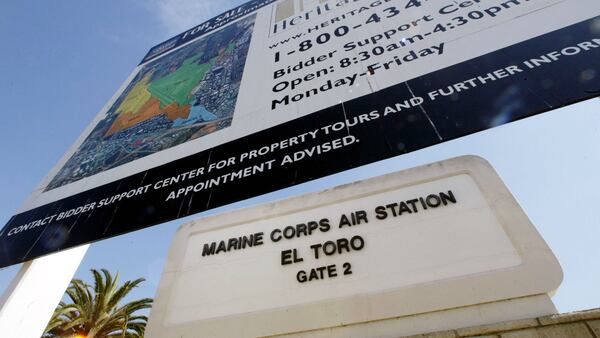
177 16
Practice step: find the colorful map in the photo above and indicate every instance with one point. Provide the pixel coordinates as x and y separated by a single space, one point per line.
183 95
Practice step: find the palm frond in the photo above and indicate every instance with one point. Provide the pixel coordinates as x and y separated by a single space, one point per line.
96 310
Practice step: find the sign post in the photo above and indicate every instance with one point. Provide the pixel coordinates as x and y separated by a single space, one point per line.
28 303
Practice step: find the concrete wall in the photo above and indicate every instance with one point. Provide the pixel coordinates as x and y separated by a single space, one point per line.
576 324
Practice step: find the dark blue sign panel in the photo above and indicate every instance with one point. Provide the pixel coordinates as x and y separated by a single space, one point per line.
204 28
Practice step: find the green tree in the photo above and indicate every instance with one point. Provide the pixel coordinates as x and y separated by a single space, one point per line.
94 312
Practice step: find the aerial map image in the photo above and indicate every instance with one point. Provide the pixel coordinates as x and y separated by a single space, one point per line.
179 97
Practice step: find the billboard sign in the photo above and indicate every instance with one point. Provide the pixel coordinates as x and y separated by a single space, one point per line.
276 93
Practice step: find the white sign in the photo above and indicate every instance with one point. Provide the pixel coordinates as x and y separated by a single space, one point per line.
436 237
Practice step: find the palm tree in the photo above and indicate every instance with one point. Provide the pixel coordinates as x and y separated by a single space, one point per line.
95 312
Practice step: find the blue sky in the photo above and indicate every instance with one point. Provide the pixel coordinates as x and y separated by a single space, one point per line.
61 61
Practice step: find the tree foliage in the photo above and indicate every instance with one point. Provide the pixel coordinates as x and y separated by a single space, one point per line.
94 311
